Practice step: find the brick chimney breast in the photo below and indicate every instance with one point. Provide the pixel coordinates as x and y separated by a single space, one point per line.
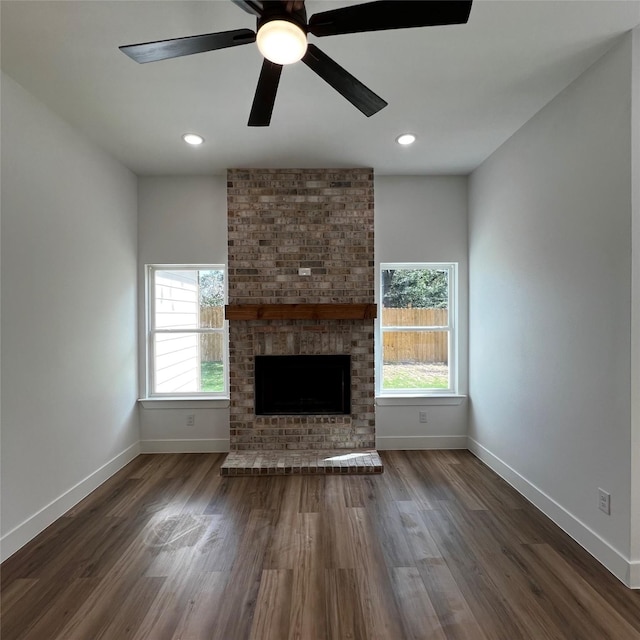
281 221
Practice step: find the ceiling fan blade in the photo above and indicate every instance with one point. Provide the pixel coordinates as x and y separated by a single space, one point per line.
389 14
343 82
265 96
177 47
254 7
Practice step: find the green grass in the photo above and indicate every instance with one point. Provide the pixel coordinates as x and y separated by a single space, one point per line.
212 376
407 380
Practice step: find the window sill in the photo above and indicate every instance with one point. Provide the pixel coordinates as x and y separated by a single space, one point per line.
411 400
194 402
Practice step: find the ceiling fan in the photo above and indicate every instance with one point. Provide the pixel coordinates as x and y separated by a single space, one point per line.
282 28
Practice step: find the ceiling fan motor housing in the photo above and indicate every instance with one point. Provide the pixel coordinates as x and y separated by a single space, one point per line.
277 11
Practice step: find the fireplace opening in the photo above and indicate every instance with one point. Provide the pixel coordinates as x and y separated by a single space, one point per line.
303 385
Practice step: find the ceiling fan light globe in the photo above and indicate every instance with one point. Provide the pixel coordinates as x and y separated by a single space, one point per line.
281 41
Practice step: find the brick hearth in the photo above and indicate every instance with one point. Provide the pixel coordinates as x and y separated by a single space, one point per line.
288 463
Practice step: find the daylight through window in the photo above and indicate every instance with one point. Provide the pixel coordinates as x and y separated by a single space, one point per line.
187 342
417 329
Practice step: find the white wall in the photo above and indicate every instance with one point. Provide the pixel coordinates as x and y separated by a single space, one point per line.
69 415
550 307
424 219
181 220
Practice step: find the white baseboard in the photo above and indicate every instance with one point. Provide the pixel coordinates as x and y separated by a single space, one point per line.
204 445
32 526
626 571
405 443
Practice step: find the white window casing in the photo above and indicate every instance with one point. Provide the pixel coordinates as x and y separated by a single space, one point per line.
417 345
187 335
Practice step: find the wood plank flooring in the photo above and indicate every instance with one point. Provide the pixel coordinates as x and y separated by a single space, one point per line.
436 548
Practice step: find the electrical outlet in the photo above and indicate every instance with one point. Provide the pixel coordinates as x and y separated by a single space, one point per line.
191 420
604 501
423 416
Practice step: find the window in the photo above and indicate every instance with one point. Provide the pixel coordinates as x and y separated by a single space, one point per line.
417 354
187 333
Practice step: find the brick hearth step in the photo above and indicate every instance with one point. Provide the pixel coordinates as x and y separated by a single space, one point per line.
307 462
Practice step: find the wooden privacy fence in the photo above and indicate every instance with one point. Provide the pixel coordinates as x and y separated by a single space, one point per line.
415 346
399 346
212 344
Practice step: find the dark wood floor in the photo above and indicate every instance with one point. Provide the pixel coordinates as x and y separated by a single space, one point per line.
438 547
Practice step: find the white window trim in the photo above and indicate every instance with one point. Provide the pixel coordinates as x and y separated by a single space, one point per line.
150 395
189 402
451 327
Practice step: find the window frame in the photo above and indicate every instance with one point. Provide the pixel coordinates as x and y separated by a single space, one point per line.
450 328
151 332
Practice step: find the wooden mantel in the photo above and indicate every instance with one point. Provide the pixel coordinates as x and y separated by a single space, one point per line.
326 311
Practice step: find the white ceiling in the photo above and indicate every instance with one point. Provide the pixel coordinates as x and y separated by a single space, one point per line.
462 89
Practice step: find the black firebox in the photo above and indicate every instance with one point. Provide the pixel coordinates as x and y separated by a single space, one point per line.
303 385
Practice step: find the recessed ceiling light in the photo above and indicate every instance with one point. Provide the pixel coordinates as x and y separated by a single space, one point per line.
405 139
193 139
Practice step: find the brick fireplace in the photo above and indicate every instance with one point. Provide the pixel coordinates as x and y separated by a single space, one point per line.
279 222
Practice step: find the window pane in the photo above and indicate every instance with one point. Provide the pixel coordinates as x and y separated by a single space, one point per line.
415 360
211 298
415 291
176 299
188 362
189 299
